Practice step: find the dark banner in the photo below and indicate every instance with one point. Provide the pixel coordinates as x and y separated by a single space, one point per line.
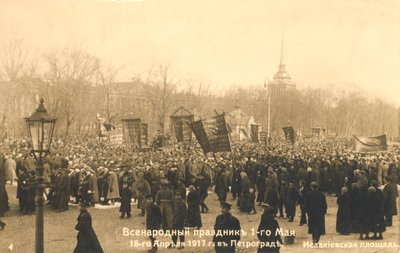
132 132
201 135
370 144
254 133
290 134
212 134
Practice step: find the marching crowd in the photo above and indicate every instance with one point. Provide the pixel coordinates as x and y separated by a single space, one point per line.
171 186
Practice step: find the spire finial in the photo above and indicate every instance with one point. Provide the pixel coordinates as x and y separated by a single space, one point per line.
282 55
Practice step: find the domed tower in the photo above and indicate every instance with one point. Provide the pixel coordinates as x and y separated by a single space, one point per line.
282 80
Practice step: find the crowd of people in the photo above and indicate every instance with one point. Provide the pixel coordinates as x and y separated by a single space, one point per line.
171 186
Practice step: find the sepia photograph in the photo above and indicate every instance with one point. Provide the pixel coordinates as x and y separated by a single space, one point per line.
199 126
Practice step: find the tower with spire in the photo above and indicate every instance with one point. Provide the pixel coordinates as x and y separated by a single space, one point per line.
282 80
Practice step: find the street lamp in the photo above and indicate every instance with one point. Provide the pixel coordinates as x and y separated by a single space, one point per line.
40 127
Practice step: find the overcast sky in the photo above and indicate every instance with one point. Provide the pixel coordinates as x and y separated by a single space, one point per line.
225 42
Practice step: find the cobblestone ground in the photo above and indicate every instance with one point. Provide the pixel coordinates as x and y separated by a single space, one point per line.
60 235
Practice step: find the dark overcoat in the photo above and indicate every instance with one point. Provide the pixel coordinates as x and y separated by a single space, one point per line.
315 204
343 216
87 239
270 242
224 224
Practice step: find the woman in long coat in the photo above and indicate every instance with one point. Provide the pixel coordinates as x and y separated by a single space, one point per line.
87 239
375 219
343 216
193 218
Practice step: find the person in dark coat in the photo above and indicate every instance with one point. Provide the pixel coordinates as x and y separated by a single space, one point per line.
227 230
390 194
268 243
221 187
178 224
362 215
30 191
375 211
126 196
315 203
260 184
203 183
21 190
64 191
193 218
291 201
354 206
343 216
181 188
236 182
87 239
93 190
272 197
153 220
302 194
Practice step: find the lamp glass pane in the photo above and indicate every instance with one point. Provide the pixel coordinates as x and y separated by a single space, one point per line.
35 130
48 131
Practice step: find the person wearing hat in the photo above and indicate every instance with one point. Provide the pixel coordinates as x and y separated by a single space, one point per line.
178 224
126 196
193 218
291 201
112 191
268 223
227 230
165 200
153 220
315 205
390 194
343 216
221 186
87 239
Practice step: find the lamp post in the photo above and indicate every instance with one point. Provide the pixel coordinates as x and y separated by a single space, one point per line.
40 127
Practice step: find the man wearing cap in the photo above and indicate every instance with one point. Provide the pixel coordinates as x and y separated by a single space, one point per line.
227 231
315 204
165 199
268 224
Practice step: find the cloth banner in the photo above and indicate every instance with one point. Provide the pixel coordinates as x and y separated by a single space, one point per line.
212 134
290 134
370 144
132 129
